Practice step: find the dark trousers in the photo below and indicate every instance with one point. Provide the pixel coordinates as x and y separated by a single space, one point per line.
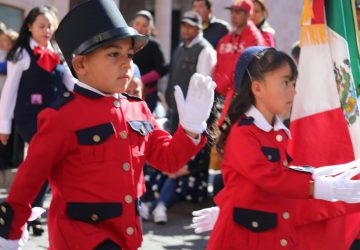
151 100
108 245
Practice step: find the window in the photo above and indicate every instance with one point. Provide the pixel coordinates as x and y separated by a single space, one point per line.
11 16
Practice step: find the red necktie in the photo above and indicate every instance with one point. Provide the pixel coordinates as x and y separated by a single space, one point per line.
47 59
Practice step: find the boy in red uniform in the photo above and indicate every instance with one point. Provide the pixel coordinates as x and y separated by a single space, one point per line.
92 144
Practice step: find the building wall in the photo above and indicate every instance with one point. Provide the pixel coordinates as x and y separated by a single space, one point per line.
27 5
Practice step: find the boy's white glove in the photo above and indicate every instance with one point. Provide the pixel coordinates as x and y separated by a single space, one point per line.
195 110
204 219
17 244
333 183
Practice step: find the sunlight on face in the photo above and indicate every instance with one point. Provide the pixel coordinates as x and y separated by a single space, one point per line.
109 68
42 29
277 92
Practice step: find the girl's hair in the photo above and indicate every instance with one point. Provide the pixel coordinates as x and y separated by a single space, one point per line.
266 61
25 34
263 7
12 34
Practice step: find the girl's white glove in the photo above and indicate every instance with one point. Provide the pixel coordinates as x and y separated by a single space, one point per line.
335 169
17 244
195 110
337 186
204 220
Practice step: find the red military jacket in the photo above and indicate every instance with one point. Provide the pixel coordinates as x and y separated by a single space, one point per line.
228 52
256 204
92 149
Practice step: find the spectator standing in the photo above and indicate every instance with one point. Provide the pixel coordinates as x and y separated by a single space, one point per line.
194 55
213 28
135 87
150 60
231 46
35 78
11 154
259 17
7 42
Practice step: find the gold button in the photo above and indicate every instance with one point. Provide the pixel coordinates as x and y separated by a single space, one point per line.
3 209
117 103
286 215
128 198
283 242
269 157
123 134
254 224
2 222
285 163
126 166
66 94
279 138
96 138
94 217
129 230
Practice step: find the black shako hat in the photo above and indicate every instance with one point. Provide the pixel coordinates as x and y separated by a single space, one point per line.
91 25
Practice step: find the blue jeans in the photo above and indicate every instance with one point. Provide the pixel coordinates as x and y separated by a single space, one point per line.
168 193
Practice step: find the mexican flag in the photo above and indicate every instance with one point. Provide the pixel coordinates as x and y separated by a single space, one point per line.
325 121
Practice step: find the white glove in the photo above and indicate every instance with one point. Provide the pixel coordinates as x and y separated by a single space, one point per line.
17 244
195 110
204 219
338 187
335 169
10 244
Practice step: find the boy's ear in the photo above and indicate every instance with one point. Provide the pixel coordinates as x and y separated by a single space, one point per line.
78 64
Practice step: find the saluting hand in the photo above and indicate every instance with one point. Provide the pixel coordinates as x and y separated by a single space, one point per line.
195 109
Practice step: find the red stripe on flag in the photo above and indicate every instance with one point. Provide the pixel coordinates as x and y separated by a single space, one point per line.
321 139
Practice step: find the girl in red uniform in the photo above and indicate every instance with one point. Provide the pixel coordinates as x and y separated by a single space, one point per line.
256 208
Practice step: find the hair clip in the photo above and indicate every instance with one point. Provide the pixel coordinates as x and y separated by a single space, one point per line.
249 75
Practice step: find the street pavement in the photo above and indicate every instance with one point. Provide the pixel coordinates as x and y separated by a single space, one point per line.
174 235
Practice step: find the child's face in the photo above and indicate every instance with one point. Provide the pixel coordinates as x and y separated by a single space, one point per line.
134 88
142 25
42 29
109 68
275 93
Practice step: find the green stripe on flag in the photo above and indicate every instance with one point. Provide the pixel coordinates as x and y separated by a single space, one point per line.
339 17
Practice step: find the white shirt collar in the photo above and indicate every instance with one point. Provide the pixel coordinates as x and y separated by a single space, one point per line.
261 122
33 44
85 86
195 40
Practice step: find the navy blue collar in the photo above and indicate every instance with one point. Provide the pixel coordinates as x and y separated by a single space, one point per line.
86 92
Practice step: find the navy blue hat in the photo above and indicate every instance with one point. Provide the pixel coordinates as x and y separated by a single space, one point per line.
242 64
240 70
91 25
